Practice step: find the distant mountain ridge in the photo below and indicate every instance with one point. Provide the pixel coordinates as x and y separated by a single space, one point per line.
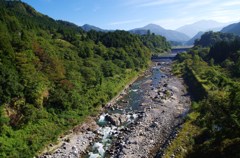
203 25
183 33
232 28
192 40
170 35
88 27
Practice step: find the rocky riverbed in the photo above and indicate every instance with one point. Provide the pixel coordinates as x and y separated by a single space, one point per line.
133 126
164 109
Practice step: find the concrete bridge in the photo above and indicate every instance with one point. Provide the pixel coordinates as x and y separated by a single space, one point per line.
169 56
158 58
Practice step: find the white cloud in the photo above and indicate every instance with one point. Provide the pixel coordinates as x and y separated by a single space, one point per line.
197 4
225 14
135 2
175 13
231 3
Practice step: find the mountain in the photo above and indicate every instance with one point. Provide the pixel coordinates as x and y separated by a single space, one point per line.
139 31
158 30
192 40
213 74
203 25
233 28
210 38
88 27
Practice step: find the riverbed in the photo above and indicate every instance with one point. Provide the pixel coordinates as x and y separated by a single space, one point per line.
136 124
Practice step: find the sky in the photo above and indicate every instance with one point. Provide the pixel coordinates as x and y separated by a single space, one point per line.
129 14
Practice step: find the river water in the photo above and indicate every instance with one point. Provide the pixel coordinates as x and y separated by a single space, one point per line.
129 106
126 110
138 122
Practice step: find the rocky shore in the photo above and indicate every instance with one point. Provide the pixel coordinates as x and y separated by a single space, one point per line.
74 144
165 108
134 133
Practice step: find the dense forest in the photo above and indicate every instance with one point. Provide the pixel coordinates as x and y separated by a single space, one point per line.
211 71
53 74
157 44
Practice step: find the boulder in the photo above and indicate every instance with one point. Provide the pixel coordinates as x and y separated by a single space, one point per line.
122 118
110 119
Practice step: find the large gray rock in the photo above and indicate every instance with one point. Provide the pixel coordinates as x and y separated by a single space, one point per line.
116 119
110 119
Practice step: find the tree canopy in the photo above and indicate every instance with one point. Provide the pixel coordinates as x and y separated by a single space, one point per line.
53 75
211 70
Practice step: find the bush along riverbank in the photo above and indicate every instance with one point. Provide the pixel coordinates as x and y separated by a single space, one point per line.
213 125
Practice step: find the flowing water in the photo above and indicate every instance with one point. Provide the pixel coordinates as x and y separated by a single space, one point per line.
139 108
129 107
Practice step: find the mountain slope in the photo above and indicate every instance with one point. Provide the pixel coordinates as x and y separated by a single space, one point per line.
88 27
192 40
233 28
203 25
158 30
212 75
208 39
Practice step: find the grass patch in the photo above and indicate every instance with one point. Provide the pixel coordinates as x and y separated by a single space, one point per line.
184 142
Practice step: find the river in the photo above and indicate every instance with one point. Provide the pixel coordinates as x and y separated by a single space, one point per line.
137 124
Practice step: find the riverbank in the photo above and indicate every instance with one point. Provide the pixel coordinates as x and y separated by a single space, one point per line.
164 104
76 141
123 92
164 109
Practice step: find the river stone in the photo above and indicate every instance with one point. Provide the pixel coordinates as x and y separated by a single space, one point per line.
122 118
110 119
116 119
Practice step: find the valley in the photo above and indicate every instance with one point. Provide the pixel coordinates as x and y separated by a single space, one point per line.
114 89
137 123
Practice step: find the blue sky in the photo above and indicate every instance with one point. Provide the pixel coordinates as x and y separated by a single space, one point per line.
128 14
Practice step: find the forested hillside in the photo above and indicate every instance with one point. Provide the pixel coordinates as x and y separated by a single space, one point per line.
211 70
233 28
53 75
208 39
157 44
